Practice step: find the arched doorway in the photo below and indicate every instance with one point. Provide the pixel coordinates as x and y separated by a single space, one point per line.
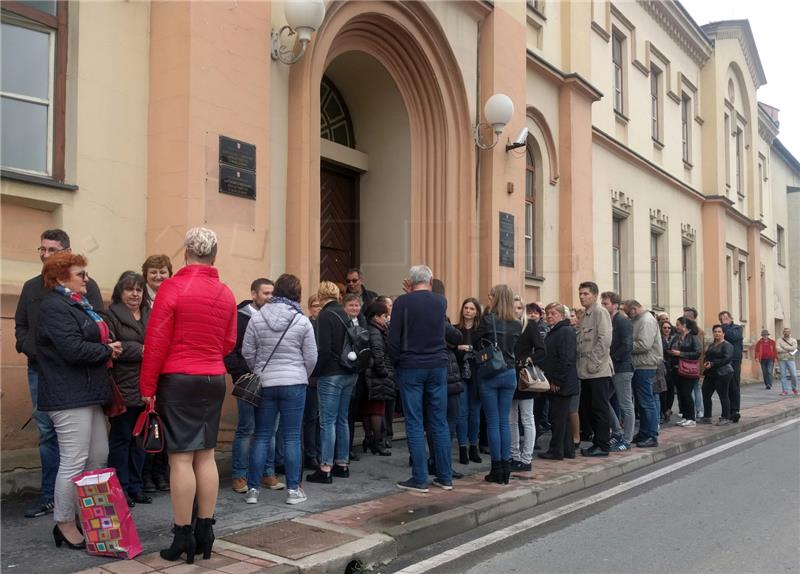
410 45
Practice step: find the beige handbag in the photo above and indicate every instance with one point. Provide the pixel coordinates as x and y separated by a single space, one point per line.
531 379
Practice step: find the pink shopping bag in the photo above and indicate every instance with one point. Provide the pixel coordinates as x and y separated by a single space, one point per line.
105 516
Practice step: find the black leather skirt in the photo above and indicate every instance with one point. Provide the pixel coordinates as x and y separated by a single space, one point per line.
190 408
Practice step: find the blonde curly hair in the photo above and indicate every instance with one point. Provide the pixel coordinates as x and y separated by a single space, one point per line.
201 243
328 290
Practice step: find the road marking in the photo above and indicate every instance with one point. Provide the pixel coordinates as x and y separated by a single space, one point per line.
514 529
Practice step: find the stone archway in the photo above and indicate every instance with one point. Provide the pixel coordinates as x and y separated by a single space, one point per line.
408 41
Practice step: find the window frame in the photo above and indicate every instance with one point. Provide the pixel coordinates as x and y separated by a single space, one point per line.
530 211
780 242
19 14
616 254
655 286
686 129
738 136
655 105
618 79
742 288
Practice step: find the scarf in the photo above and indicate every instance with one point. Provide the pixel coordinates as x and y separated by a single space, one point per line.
105 335
293 304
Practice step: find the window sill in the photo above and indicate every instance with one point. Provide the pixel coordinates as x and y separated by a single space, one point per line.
740 195
657 144
534 278
687 165
36 180
781 264
621 118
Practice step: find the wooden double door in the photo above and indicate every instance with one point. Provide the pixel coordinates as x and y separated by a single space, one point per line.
339 222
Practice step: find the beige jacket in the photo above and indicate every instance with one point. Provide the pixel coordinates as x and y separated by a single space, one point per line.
594 344
785 348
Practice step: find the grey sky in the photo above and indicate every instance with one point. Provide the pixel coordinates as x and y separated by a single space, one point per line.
774 25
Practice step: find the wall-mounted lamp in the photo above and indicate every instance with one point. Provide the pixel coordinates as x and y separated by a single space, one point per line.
303 17
498 111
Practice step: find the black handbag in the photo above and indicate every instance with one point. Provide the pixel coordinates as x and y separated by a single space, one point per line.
489 359
248 387
149 430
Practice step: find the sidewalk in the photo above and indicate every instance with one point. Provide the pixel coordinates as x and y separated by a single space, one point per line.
363 519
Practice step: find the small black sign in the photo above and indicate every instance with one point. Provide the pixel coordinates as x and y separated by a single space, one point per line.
506 240
236 153
240 182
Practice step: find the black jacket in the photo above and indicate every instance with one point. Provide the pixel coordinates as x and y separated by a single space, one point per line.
127 366
331 331
734 335
508 333
26 318
529 344
380 375
71 360
234 362
690 347
560 362
719 356
621 343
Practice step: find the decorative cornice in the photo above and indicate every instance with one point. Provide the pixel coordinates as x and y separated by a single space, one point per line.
688 233
681 28
767 128
659 219
621 203
740 30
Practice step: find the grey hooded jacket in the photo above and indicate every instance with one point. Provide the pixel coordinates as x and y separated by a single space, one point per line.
648 350
294 358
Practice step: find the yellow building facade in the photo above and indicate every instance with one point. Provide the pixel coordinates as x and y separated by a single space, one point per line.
647 165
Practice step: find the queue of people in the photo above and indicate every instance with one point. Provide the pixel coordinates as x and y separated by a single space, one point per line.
356 357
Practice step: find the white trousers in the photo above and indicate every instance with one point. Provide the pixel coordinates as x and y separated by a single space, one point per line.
82 445
522 410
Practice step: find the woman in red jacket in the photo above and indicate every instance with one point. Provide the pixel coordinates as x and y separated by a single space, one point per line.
192 327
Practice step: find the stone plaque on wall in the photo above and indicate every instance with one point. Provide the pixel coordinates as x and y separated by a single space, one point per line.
506 239
237 168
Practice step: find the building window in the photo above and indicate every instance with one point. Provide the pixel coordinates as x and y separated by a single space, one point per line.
685 266
729 282
616 254
654 280
781 239
742 287
33 86
655 103
335 122
617 46
727 152
739 166
686 129
530 213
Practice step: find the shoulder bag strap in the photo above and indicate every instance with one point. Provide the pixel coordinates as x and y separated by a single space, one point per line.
279 342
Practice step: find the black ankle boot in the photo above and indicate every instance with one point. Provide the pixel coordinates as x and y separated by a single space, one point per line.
182 542
204 537
505 471
474 454
463 457
496 474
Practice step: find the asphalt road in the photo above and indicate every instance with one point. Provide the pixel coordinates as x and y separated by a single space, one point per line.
738 511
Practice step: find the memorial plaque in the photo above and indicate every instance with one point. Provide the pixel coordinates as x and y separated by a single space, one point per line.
506 239
240 182
237 154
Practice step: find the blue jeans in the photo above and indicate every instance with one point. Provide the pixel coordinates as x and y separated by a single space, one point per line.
48 441
288 401
648 407
496 395
766 369
698 399
334 394
788 368
469 415
427 387
124 453
240 455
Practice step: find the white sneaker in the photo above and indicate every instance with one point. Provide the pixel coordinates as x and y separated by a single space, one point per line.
681 422
252 496
296 496
689 424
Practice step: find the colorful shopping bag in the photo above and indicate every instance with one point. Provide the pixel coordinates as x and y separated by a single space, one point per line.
105 516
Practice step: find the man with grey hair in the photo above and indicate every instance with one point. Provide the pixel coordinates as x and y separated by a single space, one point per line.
417 347
647 353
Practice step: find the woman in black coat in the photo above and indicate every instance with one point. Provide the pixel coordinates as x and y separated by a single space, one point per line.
127 317
717 376
685 345
561 371
379 378
74 350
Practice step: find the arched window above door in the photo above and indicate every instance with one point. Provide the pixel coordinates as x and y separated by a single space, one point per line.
335 122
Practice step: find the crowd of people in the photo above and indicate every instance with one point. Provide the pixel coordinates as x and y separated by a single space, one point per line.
357 357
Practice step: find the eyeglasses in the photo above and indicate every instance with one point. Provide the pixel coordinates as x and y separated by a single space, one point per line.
84 275
50 250
353 280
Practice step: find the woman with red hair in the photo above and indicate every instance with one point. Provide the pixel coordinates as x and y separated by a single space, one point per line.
74 356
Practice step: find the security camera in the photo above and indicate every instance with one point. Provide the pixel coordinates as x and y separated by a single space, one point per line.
521 141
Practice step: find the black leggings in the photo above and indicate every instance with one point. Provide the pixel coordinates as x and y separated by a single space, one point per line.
719 384
685 388
561 440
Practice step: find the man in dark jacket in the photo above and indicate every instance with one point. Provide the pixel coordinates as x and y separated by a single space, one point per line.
418 349
621 349
355 285
260 292
734 335
26 319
